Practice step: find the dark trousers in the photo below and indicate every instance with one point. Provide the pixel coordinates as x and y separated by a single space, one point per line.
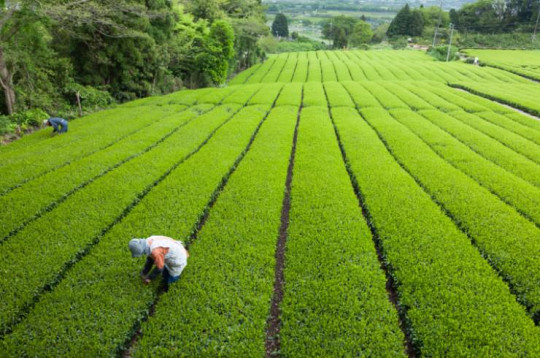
64 127
167 278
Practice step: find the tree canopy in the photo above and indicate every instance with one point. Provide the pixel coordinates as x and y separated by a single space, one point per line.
50 49
347 31
496 16
407 22
280 26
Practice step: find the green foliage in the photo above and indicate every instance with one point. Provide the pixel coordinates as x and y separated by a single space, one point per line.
179 183
91 97
524 97
232 299
447 181
164 154
497 16
406 22
337 95
515 40
280 26
339 40
486 146
338 29
268 44
362 34
483 216
523 63
447 256
400 23
129 48
7 125
247 32
441 53
328 246
432 14
219 51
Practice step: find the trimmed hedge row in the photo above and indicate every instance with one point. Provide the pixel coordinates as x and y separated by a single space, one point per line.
38 196
313 94
486 146
335 301
509 242
509 139
84 138
274 73
262 71
510 124
291 95
454 303
314 68
342 70
521 96
243 76
327 67
225 305
513 190
301 71
386 98
337 95
65 233
360 96
96 308
289 69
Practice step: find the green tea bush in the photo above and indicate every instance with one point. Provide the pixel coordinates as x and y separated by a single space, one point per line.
441 277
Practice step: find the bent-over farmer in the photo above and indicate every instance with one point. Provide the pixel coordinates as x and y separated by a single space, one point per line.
168 255
60 125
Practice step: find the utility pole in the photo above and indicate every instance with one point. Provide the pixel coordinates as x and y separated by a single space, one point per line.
450 43
438 24
536 26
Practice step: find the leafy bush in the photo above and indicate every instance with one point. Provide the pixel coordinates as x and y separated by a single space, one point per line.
91 97
440 53
7 125
32 117
501 41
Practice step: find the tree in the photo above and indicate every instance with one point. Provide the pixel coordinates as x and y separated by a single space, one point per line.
340 39
16 20
205 9
280 26
214 62
407 22
400 23
362 34
431 16
416 24
247 32
338 29
332 27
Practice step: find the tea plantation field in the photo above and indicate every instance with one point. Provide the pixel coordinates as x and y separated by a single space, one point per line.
525 63
373 203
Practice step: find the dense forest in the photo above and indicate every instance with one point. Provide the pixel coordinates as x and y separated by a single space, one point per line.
55 54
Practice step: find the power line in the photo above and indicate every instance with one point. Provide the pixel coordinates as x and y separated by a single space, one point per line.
536 26
438 24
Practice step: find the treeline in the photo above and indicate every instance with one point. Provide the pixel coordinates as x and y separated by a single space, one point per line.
497 16
482 17
55 54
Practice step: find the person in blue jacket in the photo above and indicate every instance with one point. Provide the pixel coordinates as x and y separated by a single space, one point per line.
60 125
